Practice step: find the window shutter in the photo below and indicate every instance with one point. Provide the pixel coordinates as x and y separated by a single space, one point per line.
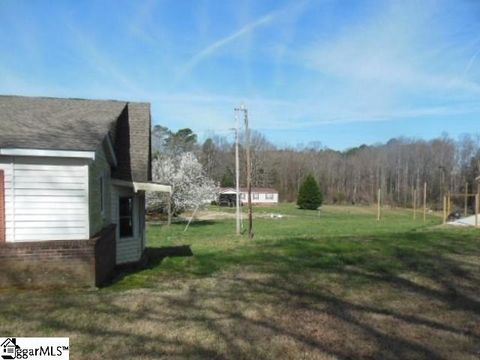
2 206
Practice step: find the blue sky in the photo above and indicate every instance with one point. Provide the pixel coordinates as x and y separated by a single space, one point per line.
336 71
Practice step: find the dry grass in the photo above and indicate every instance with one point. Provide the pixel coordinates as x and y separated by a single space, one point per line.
411 295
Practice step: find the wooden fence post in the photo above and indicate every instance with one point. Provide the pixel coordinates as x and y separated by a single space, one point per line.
476 210
414 204
378 204
449 203
424 201
444 208
466 199
477 195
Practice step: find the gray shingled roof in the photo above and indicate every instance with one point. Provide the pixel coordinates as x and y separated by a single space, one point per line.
57 124
78 124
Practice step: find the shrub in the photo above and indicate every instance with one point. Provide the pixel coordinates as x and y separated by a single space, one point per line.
309 197
339 197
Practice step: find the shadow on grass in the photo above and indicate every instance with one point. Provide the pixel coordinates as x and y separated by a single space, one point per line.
193 224
361 260
156 255
309 322
279 312
152 258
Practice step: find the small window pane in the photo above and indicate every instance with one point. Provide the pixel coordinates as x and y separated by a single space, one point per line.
125 206
126 216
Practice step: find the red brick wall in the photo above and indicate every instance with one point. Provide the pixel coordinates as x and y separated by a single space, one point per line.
2 206
69 263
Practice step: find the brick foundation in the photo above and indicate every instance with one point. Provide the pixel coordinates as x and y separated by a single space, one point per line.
70 263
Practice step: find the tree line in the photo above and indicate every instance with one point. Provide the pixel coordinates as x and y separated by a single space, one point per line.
352 176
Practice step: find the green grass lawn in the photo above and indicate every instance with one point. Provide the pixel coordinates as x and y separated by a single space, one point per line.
333 284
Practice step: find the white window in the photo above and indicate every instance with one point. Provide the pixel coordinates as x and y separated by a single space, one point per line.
256 196
242 196
268 196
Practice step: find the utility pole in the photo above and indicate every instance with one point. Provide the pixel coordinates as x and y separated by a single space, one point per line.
237 176
249 171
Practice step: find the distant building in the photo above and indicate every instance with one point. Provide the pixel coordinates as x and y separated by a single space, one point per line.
227 196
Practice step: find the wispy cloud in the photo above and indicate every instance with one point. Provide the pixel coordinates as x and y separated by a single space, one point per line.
402 56
101 63
244 30
471 62
142 25
214 47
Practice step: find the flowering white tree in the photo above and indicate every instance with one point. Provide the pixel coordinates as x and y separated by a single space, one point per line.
191 188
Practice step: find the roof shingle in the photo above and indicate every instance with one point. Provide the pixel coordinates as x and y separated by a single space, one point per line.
82 125
56 124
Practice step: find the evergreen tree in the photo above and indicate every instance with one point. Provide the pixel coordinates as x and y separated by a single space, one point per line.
309 197
228 179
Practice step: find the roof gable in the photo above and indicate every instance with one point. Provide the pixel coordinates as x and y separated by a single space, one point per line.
81 125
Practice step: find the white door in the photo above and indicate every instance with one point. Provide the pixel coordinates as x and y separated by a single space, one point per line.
129 241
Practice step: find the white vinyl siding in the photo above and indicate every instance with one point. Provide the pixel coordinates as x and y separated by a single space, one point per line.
46 198
6 166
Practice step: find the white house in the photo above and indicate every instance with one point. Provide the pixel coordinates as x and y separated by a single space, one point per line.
73 176
259 195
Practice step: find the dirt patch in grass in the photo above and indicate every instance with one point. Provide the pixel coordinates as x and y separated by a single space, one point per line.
219 215
210 215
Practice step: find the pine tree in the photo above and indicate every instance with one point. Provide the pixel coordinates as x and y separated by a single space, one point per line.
309 197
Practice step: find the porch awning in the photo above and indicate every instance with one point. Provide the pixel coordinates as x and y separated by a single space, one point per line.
143 186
